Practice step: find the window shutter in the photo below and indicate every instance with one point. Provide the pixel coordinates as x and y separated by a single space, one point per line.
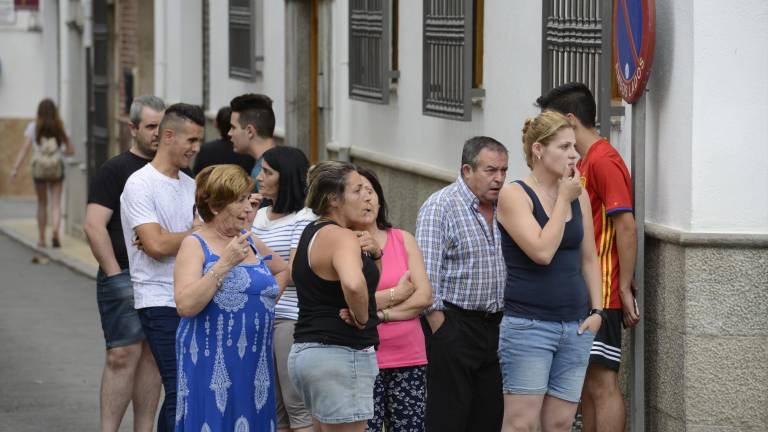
369 50
242 61
576 35
448 58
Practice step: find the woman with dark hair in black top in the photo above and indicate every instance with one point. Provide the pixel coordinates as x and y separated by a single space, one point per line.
332 363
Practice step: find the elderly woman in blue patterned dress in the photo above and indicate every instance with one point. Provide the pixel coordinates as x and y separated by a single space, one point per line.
225 292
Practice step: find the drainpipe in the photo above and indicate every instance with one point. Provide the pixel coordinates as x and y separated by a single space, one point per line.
63 53
160 48
87 8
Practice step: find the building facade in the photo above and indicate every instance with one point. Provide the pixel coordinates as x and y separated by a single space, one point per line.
399 86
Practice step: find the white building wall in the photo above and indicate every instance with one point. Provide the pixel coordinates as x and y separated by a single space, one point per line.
512 75
707 158
23 62
271 79
72 76
512 82
730 108
339 133
179 50
669 123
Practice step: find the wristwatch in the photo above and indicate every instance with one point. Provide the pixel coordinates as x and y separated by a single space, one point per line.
601 312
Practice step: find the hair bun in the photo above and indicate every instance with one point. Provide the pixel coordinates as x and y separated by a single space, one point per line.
527 124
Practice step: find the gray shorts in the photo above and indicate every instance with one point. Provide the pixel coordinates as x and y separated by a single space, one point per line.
119 320
336 382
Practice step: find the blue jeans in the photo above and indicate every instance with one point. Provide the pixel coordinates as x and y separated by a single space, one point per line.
159 325
543 357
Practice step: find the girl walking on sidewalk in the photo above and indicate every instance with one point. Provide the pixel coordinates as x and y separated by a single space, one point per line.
50 145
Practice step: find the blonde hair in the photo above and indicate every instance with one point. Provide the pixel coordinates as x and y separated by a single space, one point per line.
217 186
541 129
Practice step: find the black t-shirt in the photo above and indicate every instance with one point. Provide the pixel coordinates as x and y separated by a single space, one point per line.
106 187
320 301
220 152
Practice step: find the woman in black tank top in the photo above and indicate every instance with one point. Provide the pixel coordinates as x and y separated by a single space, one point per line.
333 362
552 281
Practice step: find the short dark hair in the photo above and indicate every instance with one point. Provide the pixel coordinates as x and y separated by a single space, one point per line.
382 220
292 164
473 147
181 112
256 110
572 98
223 118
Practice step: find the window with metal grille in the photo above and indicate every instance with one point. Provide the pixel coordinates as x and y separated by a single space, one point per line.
245 38
577 48
372 49
453 35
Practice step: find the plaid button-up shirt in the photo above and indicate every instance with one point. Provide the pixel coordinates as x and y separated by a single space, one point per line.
461 252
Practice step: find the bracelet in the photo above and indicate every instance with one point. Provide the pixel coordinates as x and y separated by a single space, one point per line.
385 312
359 324
391 297
217 277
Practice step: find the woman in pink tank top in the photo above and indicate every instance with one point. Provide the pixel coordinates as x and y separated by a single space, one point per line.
403 293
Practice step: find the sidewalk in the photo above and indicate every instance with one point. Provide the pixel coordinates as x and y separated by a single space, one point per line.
18 221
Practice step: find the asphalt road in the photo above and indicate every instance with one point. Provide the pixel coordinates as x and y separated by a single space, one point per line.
51 346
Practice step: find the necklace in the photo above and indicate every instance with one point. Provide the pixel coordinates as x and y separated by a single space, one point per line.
552 198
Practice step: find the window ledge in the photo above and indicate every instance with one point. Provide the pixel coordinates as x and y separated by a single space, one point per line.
478 97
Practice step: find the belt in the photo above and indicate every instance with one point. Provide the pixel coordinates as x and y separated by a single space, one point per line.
483 315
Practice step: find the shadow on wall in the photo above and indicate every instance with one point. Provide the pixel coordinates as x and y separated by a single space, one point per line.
11 140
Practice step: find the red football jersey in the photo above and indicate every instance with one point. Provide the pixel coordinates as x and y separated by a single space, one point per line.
607 180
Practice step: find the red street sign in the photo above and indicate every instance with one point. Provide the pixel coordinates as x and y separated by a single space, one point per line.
26 5
634 37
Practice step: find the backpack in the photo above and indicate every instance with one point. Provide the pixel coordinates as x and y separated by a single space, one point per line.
47 165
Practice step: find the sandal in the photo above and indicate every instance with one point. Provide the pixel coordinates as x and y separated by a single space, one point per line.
55 242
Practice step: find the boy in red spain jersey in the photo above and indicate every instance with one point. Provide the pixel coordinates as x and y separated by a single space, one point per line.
606 179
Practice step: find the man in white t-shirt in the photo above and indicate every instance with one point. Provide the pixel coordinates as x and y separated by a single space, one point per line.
157 212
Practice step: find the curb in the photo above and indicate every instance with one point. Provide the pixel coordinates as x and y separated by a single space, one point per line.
52 254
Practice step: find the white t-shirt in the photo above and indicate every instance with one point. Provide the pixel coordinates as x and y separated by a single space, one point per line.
152 197
282 235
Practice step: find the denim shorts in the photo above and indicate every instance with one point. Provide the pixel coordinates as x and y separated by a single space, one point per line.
119 320
336 382
543 357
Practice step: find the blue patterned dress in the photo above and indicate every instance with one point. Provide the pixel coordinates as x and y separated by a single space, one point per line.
224 355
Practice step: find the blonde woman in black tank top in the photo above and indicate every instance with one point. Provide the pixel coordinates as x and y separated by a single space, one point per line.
552 294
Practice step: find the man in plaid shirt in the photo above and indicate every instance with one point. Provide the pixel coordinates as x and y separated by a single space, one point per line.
457 232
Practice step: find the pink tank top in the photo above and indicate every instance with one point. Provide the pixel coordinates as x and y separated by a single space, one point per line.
401 342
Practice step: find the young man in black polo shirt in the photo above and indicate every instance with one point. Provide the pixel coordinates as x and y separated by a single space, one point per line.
130 372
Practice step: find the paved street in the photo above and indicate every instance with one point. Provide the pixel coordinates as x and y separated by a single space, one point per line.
52 347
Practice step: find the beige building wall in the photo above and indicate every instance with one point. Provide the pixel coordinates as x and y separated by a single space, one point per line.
11 140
